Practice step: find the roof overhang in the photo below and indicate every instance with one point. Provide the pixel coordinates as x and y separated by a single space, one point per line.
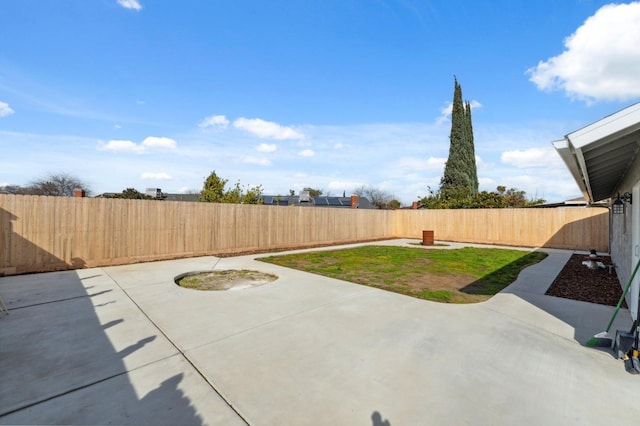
599 155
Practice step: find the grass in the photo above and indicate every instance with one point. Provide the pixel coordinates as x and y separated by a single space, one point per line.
463 275
437 295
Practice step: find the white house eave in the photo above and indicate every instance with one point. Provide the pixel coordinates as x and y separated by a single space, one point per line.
564 149
606 127
599 155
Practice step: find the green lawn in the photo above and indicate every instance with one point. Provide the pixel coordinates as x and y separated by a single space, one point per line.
463 275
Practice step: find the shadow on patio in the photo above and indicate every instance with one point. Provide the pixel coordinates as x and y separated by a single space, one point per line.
569 318
74 352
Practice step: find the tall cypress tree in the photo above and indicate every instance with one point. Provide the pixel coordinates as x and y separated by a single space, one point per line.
460 175
455 179
473 171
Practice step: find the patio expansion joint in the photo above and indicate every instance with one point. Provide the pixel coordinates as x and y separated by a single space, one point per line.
182 354
50 301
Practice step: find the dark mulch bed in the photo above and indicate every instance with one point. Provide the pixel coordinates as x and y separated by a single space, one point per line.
578 282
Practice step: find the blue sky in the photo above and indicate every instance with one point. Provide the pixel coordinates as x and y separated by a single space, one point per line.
330 94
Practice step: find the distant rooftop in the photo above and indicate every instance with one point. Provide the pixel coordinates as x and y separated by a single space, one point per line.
304 200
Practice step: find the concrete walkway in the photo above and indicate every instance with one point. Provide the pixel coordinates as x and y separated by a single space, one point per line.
125 345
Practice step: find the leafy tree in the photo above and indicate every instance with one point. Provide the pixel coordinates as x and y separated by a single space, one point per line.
214 191
515 198
313 192
394 204
460 175
132 194
253 195
233 195
501 198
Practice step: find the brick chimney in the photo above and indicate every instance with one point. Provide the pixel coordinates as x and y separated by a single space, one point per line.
414 205
79 192
354 201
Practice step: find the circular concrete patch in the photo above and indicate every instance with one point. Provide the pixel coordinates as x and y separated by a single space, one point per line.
231 279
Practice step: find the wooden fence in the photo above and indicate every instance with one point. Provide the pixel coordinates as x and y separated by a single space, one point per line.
55 233
565 228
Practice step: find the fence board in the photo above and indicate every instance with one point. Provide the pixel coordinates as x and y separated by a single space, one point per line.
52 233
566 228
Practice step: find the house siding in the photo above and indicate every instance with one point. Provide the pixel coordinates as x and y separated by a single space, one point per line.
625 234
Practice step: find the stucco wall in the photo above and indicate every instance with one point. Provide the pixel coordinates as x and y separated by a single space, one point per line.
622 234
621 249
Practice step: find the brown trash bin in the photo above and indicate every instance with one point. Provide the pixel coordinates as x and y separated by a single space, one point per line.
427 238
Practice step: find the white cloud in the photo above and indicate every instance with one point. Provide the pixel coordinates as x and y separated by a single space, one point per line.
406 159
562 189
265 147
128 146
214 121
155 142
480 164
307 153
445 112
532 157
475 105
537 170
432 163
267 129
256 160
117 126
121 146
601 60
5 110
489 183
130 4
155 176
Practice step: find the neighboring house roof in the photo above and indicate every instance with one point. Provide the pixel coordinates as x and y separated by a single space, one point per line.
600 154
574 202
303 201
181 197
160 196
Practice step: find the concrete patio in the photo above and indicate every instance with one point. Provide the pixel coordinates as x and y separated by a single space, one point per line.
125 345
